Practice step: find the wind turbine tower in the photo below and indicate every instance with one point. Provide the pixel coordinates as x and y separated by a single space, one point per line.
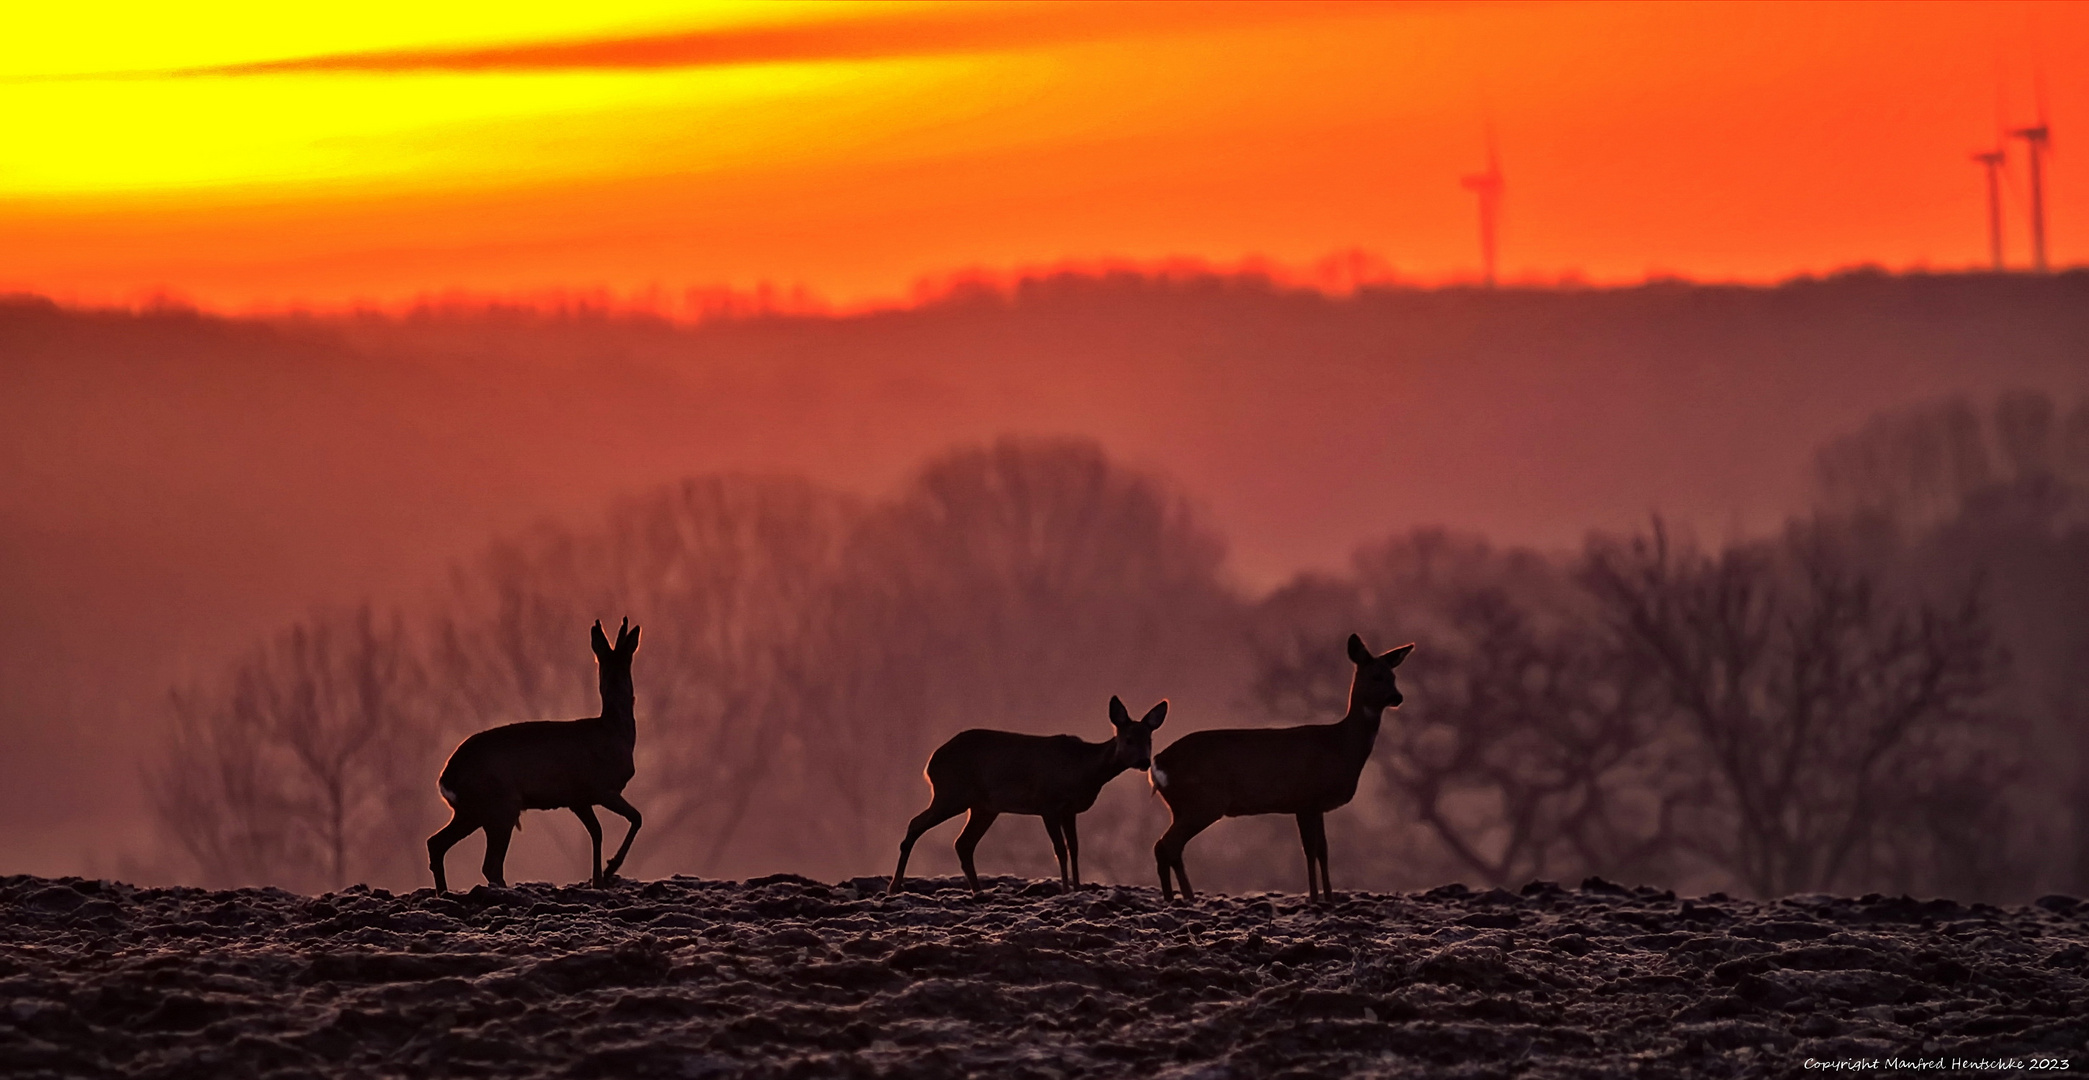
1993 159
1487 186
2036 139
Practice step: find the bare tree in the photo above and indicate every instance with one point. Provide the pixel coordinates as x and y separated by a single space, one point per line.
1550 737
2016 522
1019 584
1044 561
1812 695
297 769
736 568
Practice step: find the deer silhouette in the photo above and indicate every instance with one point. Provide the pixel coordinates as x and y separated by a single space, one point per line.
1306 771
493 776
1055 777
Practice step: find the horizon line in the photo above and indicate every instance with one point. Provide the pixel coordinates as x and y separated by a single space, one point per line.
1338 276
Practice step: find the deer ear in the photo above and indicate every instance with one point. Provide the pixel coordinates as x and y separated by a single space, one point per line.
1155 715
1118 715
596 639
1393 658
1357 653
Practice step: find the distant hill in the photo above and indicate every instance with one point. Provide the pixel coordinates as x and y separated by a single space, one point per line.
174 485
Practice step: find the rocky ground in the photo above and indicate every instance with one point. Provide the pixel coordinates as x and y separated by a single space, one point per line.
783 976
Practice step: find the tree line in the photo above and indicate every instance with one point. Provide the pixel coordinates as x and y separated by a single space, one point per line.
1878 698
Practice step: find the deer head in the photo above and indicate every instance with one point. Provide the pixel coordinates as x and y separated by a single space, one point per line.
613 664
1374 689
1133 746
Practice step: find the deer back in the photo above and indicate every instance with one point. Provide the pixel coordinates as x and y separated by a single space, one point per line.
1012 773
1241 771
540 765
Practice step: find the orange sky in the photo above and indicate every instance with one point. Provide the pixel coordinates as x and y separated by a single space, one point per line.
242 156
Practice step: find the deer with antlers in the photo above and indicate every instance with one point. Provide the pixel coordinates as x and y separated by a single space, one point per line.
1055 777
493 776
1306 771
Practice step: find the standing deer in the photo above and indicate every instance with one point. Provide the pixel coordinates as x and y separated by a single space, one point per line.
1307 771
1056 777
493 776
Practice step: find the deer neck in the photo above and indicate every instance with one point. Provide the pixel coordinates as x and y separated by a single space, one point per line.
618 709
1102 764
1359 726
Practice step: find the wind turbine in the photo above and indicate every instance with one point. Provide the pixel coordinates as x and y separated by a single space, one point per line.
2037 139
1487 186
1993 159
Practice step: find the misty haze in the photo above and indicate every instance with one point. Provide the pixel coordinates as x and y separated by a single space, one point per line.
849 537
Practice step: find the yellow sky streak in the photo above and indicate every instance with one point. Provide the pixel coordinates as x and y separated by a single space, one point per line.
70 136
436 129
123 112
73 39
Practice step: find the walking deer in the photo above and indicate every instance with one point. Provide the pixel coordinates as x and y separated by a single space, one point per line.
493 776
1307 771
1055 777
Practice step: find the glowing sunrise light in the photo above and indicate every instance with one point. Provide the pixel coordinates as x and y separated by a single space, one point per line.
432 131
245 156
200 109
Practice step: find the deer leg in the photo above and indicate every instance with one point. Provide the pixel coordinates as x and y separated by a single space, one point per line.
1327 888
1073 848
1312 836
586 814
1051 825
440 844
1167 854
497 836
976 825
616 804
935 815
